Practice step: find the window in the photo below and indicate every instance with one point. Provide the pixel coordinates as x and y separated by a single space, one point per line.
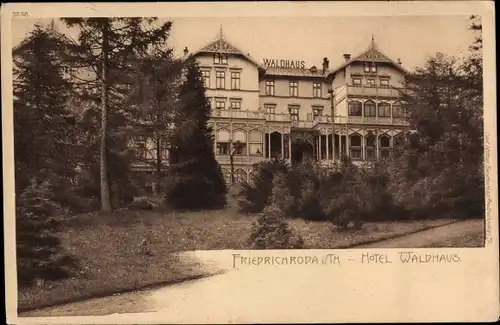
220 79
370 108
367 67
355 146
316 90
255 149
370 147
294 112
206 78
294 89
370 82
317 110
235 80
235 104
398 110
240 148
219 104
220 58
356 81
222 148
270 109
355 108
269 87
373 67
385 146
384 83
384 110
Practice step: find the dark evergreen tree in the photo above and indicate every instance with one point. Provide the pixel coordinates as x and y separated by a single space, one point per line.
44 125
195 178
39 251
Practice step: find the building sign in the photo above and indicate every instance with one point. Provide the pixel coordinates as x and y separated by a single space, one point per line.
279 63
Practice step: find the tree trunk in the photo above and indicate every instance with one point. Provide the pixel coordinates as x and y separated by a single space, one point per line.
105 193
158 164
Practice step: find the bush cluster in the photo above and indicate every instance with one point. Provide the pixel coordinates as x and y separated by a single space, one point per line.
348 195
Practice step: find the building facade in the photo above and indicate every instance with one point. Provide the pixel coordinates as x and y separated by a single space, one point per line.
283 109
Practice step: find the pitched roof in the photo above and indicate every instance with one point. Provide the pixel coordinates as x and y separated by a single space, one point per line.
371 54
221 45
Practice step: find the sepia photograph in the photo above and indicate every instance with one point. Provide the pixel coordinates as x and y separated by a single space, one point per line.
147 148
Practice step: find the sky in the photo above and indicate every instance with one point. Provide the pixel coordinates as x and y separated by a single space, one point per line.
310 39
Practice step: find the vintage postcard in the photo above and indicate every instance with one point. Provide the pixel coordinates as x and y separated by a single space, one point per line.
251 162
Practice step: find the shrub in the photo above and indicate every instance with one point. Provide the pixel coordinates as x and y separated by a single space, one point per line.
271 231
254 196
39 252
192 192
142 203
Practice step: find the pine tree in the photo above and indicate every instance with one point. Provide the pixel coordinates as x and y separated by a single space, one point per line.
195 178
44 125
39 251
105 50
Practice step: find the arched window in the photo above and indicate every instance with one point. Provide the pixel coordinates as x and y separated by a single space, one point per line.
398 110
370 146
240 176
355 108
355 146
370 108
222 142
384 110
385 146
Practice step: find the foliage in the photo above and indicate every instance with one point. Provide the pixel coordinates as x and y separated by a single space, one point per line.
105 53
271 231
39 252
142 203
194 179
44 125
256 194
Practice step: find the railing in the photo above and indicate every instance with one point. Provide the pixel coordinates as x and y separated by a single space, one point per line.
311 121
390 92
377 120
238 114
237 159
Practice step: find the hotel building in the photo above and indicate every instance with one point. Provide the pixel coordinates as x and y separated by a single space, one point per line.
284 109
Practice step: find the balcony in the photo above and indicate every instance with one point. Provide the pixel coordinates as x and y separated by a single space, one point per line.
390 92
378 120
239 159
238 114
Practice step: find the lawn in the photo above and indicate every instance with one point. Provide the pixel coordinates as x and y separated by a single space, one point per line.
110 248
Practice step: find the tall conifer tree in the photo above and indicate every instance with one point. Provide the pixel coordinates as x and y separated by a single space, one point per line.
195 179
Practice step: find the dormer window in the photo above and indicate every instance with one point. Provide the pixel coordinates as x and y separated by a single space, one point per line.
220 58
370 67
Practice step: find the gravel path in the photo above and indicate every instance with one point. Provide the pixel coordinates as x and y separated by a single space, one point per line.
469 233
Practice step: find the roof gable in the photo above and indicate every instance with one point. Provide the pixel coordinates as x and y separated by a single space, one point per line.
220 45
372 54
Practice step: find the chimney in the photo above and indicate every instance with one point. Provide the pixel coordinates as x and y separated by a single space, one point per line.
347 56
325 64
186 51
